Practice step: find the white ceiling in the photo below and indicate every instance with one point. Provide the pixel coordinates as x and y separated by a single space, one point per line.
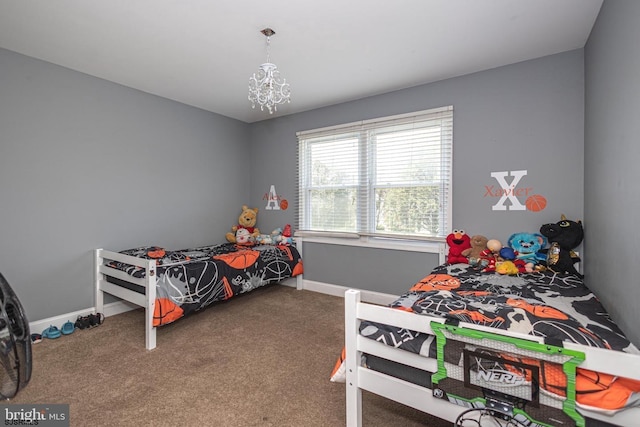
202 52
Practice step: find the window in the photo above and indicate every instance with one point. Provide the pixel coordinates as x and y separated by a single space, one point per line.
387 177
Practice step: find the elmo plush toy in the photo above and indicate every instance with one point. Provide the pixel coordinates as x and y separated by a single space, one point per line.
458 241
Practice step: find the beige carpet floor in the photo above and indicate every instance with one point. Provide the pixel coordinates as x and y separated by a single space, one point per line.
261 359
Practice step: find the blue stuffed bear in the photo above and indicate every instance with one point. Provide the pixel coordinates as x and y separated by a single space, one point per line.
528 246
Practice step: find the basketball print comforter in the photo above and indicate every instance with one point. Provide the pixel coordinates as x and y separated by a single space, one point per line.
557 307
544 304
192 279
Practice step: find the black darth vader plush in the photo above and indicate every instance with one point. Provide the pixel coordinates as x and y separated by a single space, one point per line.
564 236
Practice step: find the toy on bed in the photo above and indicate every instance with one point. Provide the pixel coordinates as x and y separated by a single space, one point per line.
283 236
458 241
244 238
279 236
511 265
491 256
247 220
269 239
564 236
474 253
507 268
528 247
264 239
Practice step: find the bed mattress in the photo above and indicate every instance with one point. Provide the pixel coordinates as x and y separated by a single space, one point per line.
189 280
557 307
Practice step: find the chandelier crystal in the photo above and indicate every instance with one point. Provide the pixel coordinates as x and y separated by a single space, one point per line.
266 88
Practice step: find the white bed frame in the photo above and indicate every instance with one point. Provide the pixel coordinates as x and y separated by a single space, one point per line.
360 378
148 283
147 300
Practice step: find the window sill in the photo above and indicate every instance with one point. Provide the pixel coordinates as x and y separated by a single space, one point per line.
427 246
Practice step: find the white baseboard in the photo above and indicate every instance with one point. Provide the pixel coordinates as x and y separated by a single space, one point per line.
291 282
119 307
110 309
338 290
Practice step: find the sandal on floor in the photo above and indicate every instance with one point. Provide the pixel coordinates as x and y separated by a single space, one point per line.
82 322
68 328
36 338
96 319
90 321
51 332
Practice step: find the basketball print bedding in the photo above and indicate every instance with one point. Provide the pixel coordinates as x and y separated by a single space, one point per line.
545 304
476 327
174 284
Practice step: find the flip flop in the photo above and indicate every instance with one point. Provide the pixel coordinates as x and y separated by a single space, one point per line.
68 328
51 332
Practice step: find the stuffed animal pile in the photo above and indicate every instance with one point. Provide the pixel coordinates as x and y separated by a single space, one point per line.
279 236
524 253
246 233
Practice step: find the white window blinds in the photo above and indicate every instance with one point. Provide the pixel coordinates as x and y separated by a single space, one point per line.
388 177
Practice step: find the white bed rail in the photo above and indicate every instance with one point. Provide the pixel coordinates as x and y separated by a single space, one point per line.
147 299
361 378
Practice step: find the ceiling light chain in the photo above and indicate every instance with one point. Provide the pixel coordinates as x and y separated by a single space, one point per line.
266 88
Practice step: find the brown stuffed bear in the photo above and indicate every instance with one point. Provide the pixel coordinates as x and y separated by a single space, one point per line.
474 253
247 220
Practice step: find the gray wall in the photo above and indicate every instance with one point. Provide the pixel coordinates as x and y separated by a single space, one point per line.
365 268
85 163
526 116
612 150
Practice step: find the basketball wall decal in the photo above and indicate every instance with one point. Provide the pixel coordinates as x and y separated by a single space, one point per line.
535 203
284 204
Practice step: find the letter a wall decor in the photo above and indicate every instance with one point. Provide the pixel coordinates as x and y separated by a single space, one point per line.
275 202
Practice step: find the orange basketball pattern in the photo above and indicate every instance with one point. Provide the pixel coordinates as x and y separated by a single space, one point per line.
228 291
166 311
298 269
538 310
437 282
156 253
536 203
239 260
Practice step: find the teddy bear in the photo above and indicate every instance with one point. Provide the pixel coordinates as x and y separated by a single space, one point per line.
474 253
247 219
564 236
458 241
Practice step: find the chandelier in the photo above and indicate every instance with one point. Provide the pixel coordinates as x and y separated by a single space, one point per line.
266 88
